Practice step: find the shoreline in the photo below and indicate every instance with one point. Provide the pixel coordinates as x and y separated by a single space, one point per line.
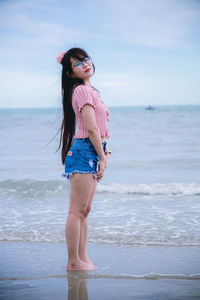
37 270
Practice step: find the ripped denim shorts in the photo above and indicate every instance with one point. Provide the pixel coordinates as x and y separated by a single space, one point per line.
82 158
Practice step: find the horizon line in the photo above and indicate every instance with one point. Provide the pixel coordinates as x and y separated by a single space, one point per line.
111 106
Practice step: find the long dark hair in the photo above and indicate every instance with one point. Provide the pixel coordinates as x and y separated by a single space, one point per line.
68 125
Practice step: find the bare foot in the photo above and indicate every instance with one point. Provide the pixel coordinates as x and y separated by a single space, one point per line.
87 261
79 265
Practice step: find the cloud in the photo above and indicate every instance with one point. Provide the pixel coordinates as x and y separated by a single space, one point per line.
29 37
153 23
123 88
26 89
163 23
42 24
134 89
25 31
136 34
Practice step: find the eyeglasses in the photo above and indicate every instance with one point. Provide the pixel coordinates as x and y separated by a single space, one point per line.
79 64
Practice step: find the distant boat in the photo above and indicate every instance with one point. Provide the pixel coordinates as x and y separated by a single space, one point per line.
149 107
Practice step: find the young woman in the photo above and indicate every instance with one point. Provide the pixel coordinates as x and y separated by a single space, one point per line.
84 153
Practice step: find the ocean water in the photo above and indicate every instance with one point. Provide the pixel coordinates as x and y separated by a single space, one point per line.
150 193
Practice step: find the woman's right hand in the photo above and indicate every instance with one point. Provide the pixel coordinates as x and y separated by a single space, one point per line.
101 168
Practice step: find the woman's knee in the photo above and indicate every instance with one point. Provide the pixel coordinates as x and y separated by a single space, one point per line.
76 214
87 211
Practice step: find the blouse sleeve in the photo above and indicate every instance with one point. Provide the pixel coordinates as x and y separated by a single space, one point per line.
82 96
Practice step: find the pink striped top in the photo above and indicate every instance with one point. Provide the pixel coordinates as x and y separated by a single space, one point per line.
84 94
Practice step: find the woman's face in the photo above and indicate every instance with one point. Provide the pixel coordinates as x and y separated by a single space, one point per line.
82 69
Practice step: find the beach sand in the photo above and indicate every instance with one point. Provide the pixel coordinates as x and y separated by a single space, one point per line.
36 270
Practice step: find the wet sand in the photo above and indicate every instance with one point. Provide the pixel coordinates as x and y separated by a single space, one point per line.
36 270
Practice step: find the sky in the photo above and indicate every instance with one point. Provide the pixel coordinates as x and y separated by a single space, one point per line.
146 52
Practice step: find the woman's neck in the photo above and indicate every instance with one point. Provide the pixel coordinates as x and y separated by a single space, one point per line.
87 82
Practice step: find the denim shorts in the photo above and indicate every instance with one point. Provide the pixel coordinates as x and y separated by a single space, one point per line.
82 158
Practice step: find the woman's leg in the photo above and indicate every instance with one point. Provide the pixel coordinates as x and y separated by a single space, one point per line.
81 189
84 227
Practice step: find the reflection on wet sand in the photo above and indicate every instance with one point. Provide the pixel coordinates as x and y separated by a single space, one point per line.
77 285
